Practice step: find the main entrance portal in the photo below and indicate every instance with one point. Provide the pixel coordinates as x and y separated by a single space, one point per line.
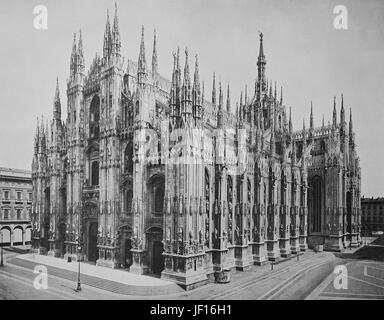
93 253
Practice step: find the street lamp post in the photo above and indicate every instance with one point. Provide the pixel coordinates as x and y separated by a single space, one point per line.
1 261
79 240
78 273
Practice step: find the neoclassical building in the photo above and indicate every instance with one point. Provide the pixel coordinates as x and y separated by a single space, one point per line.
15 207
149 175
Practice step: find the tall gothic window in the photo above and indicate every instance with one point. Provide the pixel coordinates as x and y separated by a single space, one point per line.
316 204
95 173
128 157
265 194
157 186
229 190
94 118
282 189
159 199
206 187
128 201
270 195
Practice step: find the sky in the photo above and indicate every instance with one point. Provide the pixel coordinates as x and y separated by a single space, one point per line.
305 54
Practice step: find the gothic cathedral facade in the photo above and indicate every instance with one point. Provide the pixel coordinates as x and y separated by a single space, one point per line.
147 175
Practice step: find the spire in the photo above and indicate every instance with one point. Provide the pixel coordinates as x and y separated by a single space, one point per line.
37 126
73 64
214 90
311 118
203 94
47 136
187 79
342 112
220 96
80 54
261 62
196 93
290 121
245 95
323 121
196 77
116 43
56 103
154 54
142 63
304 124
37 136
261 49
275 92
270 88
334 112
178 58
350 122
107 39
196 85
178 78
173 94
228 100
281 95
186 67
42 131
240 115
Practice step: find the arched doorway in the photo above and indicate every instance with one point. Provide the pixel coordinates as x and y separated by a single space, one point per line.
61 243
125 234
127 253
18 236
92 251
155 250
5 236
158 259
28 235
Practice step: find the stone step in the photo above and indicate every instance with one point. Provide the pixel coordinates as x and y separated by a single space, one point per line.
103 284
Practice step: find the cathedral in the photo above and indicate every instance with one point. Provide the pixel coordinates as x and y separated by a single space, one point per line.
149 175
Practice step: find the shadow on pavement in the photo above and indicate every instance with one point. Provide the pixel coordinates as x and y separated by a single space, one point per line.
373 251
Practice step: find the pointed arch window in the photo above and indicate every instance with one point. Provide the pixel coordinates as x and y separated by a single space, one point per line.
95 173
270 195
316 203
157 186
159 199
128 157
282 188
206 190
128 201
229 190
94 118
